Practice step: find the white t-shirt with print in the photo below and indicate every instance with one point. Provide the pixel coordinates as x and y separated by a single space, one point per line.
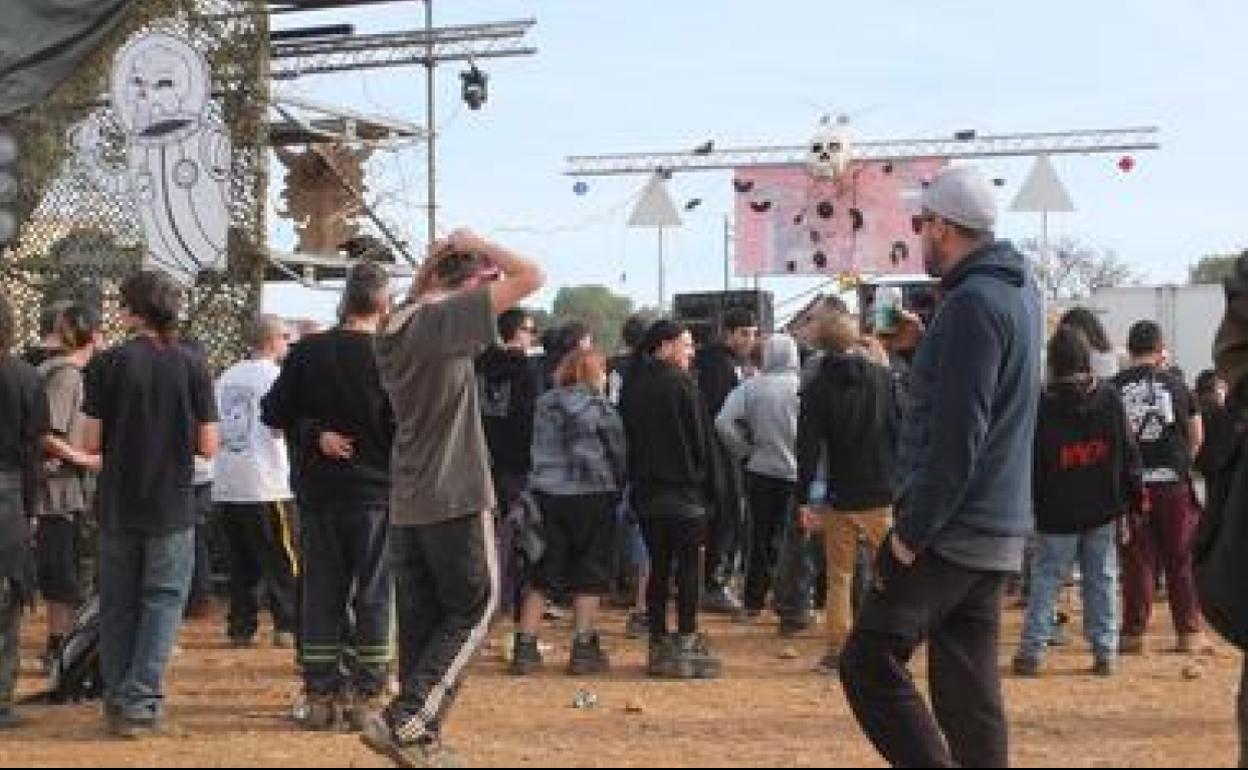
252 465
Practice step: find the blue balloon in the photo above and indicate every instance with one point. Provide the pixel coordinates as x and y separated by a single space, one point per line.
581 188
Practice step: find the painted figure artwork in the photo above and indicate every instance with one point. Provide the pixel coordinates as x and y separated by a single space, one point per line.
177 154
793 221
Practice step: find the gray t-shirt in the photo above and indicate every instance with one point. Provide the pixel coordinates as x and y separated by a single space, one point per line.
66 488
441 464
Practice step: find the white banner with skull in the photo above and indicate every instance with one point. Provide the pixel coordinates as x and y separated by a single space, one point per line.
177 154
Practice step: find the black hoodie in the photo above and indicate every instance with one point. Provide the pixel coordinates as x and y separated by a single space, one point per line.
1088 468
508 387
668 431
850 410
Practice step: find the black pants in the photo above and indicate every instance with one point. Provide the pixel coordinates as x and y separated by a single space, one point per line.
771 499
201 579
261 542
726 526
958 612
447 580
347 593
675 543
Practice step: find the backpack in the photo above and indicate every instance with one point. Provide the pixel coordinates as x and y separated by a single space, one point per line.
1221 554
75 672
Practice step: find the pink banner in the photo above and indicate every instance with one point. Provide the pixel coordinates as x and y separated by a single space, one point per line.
791 223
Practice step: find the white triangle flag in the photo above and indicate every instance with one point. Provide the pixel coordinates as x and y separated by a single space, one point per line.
655 208
1043 192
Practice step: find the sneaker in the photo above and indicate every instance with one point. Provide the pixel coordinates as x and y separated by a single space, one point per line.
526 657
283 640
1105 665
795 626
638 626
701 663
1131 645
721 601
378 737
829 665
1193 644
588 658
9 719
665 661
1026 666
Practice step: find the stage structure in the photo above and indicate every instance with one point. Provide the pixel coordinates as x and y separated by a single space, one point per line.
840 206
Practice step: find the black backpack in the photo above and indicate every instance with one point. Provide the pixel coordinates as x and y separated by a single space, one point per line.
75 673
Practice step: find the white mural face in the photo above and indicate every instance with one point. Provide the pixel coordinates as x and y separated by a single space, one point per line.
177 155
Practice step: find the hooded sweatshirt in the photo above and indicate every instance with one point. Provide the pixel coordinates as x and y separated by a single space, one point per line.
507 382
670 465
968 437
578 444
1087 466
849 415
759 420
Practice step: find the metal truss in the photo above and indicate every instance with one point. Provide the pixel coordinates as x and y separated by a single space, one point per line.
305 121
1095 141
296 58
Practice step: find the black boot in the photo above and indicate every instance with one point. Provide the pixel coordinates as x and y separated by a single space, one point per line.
527 658
588 658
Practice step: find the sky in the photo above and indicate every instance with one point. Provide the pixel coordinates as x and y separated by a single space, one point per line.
656 75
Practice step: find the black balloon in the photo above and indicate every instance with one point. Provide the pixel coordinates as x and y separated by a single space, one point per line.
821 260
855 216
743 185
761 207
826 210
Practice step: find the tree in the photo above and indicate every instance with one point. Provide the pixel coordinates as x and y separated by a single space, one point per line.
596 306
1214 268
1071 270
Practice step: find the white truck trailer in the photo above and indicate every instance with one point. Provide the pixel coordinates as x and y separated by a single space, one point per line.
1189 317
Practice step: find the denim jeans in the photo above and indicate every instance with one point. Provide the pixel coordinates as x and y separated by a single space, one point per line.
801 557
1097 555
144 583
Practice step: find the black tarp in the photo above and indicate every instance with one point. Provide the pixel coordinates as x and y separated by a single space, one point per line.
42 42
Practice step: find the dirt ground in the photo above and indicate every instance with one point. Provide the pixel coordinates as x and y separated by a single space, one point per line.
231 709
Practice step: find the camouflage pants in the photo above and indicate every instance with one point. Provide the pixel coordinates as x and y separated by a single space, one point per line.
10 640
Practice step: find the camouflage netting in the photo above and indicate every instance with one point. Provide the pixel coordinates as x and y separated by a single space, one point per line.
79 242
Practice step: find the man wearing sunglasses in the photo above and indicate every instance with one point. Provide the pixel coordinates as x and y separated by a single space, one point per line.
964 501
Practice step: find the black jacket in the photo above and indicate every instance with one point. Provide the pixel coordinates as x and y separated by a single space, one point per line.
329 382
508 386
668 432
967 440
717 374
851 412
1088 469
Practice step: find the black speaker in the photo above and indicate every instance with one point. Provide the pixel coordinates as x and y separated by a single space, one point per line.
704 313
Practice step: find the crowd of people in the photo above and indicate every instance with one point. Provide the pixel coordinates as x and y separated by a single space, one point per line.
418 474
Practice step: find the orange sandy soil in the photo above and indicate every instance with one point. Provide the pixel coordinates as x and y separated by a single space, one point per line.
232 708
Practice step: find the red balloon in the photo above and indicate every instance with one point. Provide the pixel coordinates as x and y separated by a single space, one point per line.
1126 163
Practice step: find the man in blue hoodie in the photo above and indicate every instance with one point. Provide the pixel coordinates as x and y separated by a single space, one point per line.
963 508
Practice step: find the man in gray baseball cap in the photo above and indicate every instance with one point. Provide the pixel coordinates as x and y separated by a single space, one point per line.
964 501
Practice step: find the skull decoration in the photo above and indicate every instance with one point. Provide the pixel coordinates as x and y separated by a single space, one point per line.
160 89
830 149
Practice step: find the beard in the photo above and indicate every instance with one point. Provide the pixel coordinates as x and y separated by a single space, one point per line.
933 260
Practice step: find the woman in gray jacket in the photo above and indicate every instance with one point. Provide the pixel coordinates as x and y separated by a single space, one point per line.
579 462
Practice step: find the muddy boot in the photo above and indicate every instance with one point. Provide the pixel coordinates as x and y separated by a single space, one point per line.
697 657
665 659
527 658
588 658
